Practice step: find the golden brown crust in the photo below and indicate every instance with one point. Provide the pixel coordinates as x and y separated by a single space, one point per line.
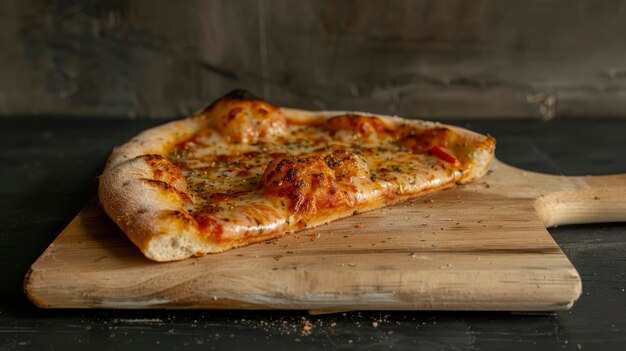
245 121
148 196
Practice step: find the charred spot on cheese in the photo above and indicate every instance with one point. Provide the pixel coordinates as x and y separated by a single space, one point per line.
421 141
357 125
246 121
306 182
237 94
347 165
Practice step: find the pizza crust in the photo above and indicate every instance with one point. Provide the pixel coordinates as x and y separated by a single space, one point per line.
158 140
146 196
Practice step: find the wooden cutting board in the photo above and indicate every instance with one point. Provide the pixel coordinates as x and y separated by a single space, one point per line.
481 246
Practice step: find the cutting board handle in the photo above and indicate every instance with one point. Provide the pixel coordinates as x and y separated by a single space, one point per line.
597 199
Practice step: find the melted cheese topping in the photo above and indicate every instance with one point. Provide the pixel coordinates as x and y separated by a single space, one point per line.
245 181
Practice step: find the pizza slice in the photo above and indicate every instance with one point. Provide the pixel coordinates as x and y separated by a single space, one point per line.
243 171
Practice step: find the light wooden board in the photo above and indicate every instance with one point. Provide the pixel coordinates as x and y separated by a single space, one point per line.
481 246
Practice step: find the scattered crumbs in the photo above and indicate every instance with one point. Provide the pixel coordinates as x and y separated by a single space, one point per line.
352 264
596 197
350 341
345 236
289 252
375 324
140 320
277 257
424 224
446 266
481 220
306 327
429 201
214 298
359 225
427 216
579 346
434 245
314 236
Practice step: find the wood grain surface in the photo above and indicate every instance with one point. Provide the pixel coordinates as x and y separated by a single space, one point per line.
481 246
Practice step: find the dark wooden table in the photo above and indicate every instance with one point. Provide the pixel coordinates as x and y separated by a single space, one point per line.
48 170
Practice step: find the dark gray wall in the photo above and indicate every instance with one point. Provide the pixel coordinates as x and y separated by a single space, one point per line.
428 58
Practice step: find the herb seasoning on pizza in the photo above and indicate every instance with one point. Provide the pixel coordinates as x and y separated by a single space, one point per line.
242 171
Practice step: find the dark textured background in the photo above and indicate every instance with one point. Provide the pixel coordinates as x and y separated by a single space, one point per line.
432 59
